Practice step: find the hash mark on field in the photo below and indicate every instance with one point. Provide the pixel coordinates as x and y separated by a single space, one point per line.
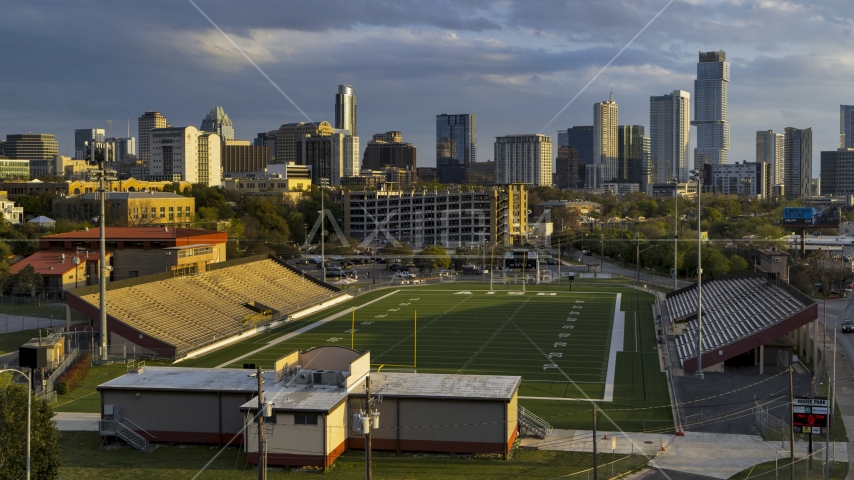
495 334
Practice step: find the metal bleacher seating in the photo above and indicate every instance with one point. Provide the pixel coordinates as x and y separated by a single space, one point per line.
733 308
192 311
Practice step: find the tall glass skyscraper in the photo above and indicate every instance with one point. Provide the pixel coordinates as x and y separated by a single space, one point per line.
670 135
630 166
216 121
846 125
83 137
605 150
456 145
710 109
797 162
345 109
769 149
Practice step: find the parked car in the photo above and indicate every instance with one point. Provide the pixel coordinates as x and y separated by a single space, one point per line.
337 258
847 326
404 274
315 260
397 267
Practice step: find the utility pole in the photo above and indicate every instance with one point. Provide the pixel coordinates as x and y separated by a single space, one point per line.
262 442
595 468
322 230
102 174
675 230
368 432
791 425
559 260
697 175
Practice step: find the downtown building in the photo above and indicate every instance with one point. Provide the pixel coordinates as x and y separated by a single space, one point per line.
346 122
389 150
575 152
710 109
448 217
837 172
325 155
769 149
217 121
456 146
185 154
84 137
846 126
239 157
670 135
748 179
797 163
30 146
125 147
605 139
523 159
633 155
146 123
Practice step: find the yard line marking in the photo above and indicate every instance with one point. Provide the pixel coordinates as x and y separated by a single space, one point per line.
495 334
422 328
303 330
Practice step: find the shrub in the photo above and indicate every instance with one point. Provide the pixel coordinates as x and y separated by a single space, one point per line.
68 380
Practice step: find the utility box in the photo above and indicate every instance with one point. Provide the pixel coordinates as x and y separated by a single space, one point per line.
47 352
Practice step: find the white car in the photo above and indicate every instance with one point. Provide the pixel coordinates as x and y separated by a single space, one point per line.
404 274
337 258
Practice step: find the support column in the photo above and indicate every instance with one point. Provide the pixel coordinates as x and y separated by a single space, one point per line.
761 359
815 341
800 342
67 318
756 356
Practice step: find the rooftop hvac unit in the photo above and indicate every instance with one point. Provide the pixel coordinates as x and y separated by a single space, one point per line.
304 377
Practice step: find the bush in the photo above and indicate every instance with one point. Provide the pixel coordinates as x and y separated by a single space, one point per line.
77 372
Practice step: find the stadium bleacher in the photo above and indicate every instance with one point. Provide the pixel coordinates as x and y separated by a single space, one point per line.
192 311
735 308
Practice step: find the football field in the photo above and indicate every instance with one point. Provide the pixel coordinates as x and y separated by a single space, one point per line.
569 347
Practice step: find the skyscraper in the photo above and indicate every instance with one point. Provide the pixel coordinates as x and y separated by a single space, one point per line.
846 121
147 122
31 146
523 159
797 162
216 121
670 135
605 139
184 153
630 153
123 146
389 149
569 173
710 109
581 137
769 149
288 137
456 145
83 137
345 109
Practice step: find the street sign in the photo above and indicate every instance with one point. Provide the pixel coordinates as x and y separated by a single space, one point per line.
810 415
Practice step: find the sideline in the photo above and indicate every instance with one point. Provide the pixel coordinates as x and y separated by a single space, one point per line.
303 330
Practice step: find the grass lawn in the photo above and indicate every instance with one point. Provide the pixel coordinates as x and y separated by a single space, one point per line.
85 398
9 342
83 459
765 471
559 355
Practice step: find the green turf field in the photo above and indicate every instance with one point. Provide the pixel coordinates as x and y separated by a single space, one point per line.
558 342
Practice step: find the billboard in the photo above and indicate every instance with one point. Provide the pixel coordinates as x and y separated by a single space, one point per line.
809 415
809 217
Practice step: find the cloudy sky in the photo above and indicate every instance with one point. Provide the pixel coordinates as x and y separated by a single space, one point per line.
515 64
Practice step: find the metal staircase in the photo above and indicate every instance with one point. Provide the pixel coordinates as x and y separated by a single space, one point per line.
122 431
531 425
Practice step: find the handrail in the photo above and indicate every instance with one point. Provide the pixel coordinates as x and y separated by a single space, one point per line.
135 425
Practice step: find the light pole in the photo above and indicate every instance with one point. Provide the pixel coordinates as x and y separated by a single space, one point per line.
323 183
29 410
697 175
637 262
305 236
789 270
675 181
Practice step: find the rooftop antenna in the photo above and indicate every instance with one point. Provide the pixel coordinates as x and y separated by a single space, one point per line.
612 94
128 128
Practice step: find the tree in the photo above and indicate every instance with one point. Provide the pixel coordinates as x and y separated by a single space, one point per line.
44 448
823 268
27 280
738 264
432 257
402 250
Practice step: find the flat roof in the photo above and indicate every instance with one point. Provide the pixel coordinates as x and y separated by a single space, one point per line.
189 380
51 263
131 196
134 233
306 399
441 385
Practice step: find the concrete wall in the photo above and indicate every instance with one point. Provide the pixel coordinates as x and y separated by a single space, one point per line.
191 417
328 358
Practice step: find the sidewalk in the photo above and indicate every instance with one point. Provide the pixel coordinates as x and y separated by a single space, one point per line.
76 422
709 454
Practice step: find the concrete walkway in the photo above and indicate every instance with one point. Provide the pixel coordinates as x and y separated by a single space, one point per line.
714 455
76 422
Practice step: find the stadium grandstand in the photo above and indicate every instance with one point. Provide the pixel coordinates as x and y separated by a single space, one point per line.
742 314
173 316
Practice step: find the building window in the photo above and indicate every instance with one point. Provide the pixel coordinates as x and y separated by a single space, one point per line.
171 213
305 419
162 212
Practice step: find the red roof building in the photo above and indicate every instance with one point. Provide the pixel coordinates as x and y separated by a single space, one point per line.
64 271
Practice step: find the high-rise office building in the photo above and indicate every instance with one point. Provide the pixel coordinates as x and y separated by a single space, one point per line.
238 156
289 134
837 172
769 149
147 122
185 154
31 146
267 139
345 109
523 159
710 109
456 145
124 147
846 126
569 172
389 149
217 121
630 154
84 137
581 137
325 155
797 162
605 139
670 135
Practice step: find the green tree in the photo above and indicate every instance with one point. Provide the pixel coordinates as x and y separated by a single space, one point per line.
432 257
401 250
27 280
44 448
738 264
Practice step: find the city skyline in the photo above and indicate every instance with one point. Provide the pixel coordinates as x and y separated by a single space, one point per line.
480 59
